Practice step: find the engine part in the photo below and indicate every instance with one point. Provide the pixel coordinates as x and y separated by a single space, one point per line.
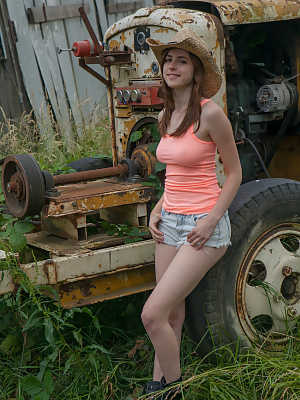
274 97
23 185
145 159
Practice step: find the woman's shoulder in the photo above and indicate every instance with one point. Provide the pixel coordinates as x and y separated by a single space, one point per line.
211 110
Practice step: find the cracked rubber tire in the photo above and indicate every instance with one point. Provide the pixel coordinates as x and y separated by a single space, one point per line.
224 307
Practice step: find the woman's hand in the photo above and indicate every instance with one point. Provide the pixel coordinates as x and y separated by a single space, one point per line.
157 235
202 232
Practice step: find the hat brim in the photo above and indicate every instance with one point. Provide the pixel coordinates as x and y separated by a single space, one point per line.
212 78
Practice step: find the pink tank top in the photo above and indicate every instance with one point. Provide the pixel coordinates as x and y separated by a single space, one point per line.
191 185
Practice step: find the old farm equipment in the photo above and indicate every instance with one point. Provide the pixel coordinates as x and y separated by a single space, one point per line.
253 293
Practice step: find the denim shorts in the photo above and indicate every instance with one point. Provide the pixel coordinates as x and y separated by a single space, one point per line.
176 227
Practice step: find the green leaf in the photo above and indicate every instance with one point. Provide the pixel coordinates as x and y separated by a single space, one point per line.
97 347
32 321
4 235
32 386
135 136
17 241
155 132
48 382
77 335
70 361
23 226
159 167
152 147
49 331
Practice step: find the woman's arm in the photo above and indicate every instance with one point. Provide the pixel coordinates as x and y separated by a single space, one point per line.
155 215
220 131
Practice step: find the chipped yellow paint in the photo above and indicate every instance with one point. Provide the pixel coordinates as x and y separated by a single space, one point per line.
109 286
114 45
123 37
114 199
161 30
147 71
123 112
128 125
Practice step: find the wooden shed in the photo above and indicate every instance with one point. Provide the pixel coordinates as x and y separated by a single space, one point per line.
33 76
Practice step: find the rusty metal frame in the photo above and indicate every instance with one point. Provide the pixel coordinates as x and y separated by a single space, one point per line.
98 265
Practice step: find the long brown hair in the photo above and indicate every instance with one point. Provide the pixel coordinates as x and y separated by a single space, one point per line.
194 107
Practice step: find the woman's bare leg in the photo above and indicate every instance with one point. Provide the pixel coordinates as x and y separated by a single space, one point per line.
184 272
164 254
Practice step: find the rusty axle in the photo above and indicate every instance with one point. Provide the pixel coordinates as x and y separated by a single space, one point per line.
76 177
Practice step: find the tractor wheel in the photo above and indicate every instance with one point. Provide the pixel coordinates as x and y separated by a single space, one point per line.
252 295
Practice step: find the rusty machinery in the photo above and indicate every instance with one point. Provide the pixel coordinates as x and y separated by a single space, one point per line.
29 191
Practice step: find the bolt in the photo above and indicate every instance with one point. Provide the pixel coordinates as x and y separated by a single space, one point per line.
287 271
292 312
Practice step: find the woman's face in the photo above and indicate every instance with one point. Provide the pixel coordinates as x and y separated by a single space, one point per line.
178 69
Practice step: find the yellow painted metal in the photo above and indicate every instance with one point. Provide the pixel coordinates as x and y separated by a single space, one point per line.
112 200
108 286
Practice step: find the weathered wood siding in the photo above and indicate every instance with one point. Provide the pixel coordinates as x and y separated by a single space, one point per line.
55 82
13 99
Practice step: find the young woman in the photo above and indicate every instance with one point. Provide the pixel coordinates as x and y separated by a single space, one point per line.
190 222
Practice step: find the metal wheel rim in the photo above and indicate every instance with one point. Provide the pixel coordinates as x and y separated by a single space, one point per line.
33 187
267 308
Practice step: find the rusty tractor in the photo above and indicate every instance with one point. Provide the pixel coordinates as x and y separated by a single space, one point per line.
253 293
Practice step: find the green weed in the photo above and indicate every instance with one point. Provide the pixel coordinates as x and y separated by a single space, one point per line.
101 352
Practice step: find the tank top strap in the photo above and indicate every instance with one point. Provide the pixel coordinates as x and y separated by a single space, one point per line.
204 101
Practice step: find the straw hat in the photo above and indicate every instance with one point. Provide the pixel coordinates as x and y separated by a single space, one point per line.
187 40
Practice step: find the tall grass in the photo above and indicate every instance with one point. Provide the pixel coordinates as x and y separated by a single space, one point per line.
101 352
52 150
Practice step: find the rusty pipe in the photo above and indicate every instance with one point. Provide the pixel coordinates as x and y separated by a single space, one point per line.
75 177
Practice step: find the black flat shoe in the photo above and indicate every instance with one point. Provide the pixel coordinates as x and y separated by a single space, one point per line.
172 393
152 387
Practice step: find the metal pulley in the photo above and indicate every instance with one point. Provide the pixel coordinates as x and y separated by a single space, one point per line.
23 185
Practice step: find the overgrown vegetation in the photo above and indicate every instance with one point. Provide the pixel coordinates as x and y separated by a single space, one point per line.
101 352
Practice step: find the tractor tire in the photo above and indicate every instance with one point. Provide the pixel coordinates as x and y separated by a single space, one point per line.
252 295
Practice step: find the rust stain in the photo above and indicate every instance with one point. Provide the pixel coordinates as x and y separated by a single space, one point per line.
161 30
123 37
147 71
172 20
114 45
114 199
108 286
123 112
128 125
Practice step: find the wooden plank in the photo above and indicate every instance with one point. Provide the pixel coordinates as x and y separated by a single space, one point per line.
37 15
29 67
101 15
46 56
91 93
56 30
128 6
118 9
